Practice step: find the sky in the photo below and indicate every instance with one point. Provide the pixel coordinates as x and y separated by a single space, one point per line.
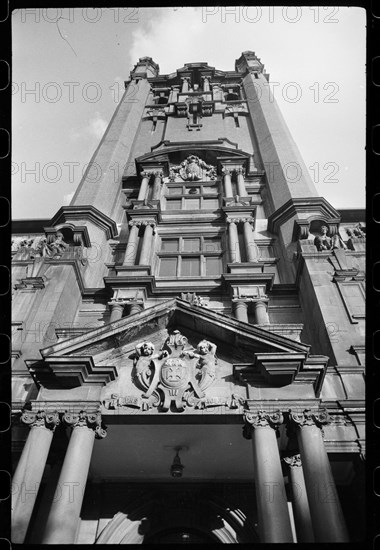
69 68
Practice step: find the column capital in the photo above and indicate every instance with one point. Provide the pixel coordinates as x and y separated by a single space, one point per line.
293 461
158 174
240 170
40 419
309 417
226 171
261 419
135 223
184 78
146 173
83 419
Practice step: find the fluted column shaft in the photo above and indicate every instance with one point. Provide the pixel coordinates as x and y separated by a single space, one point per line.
146 245
227 183
241 311
27 477
250 245
157 185
144 186
242 192
326 513
132 245
233 241
62 522
301 510
261 313
273 512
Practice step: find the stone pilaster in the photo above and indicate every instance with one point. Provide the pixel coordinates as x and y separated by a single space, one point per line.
147 242
133 242
233 241
240 308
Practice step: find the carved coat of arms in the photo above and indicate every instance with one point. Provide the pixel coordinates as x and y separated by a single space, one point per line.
177 374
193 169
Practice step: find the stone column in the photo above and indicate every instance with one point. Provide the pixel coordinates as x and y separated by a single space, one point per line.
233 241
241 310
185 84
242 192
147 243
62 522
157 185
144 186
326 513
117 308
136 307
261 313
132 244
273 513
227 183
27 477
206 83
173 97
301 510
250 245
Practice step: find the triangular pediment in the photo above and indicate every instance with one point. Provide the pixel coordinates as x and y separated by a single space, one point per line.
238 340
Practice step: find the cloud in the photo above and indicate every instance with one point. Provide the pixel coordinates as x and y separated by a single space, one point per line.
95 129
67 198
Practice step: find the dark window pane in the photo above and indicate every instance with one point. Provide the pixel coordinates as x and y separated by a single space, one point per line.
210 204
214 266
191 267
175 190
168 267
210 190
173 204
212 244
192 204
169 245
192 245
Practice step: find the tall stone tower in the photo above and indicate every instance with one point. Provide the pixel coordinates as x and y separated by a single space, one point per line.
201 306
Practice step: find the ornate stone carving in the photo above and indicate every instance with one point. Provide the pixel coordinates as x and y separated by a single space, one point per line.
83 419
309 417
324 242
40 419
193 169
170 376
261 419
293 461
193 299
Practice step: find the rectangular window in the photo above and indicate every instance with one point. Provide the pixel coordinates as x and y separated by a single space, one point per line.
193 256
191 267
192 204
168 267
169 245
192 245
192 196
213 266
174 204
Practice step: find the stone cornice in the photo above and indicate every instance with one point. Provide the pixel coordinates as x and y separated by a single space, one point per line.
72 213
69 372
305 208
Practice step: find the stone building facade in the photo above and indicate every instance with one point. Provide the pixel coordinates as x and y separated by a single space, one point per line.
188 334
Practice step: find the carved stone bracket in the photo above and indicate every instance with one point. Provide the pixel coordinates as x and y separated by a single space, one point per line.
40 419
83 419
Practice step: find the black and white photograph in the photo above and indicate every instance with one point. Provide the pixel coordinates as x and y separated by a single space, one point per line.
188 275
